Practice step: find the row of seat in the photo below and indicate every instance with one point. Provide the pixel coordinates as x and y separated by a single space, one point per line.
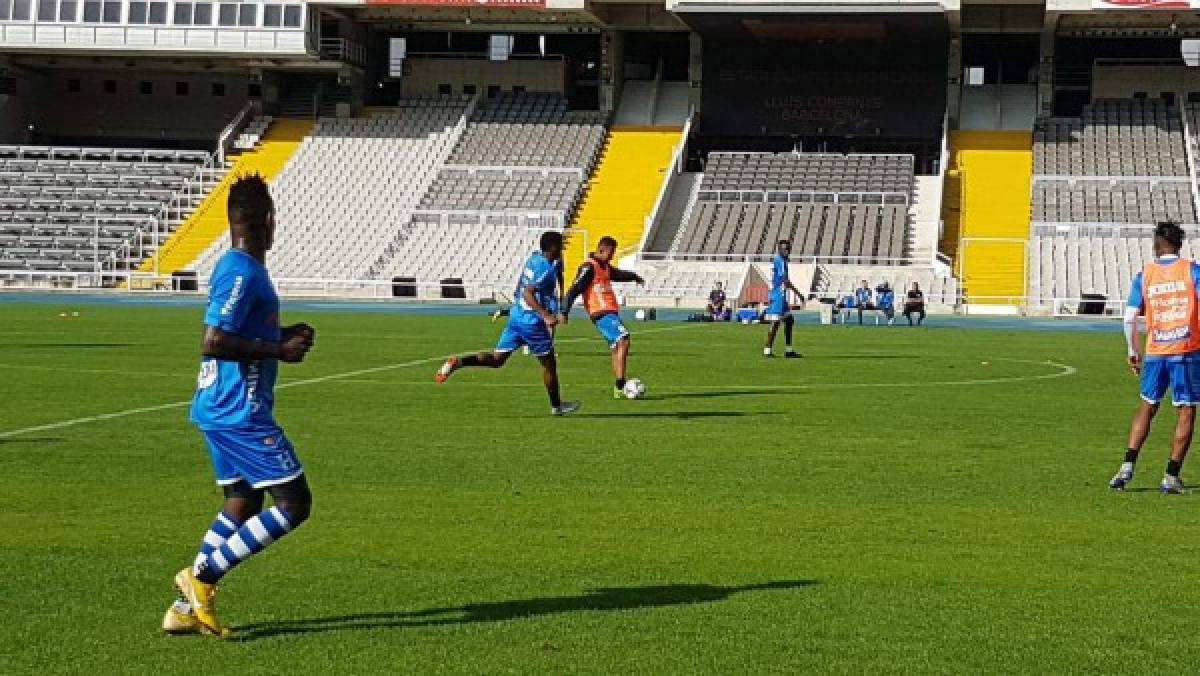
1112 137
349 188
809 171
827 232
1069 264
135 155
1112 202
110 196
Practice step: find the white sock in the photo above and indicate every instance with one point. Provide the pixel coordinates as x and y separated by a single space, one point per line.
766 350
789 348
1127 467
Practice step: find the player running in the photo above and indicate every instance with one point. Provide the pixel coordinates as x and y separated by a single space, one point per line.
529 324
594 283
242 347
1165 292
779 310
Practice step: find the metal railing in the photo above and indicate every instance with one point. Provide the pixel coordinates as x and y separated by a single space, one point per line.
342 49
298 287
651 223
869 198
1072 179
513 218
509 170
768 257
231 130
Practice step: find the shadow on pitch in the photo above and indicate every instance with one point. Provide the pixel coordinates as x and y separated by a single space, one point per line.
66 346
717 394
677 415
602 600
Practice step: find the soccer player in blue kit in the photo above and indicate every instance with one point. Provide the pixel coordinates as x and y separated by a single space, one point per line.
529 323
779 310
233 406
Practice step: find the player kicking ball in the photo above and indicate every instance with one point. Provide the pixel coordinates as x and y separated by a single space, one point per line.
594 283
233 408
779 311
1165 292
529 323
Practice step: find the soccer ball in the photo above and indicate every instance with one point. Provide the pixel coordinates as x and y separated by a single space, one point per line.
634 389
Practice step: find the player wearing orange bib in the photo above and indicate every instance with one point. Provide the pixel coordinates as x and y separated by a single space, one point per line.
1165 293
594 284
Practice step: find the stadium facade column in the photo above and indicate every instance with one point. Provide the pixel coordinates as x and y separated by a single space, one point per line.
695 69
612 57
1046 62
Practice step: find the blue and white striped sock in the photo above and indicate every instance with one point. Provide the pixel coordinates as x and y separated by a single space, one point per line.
250 539
222 528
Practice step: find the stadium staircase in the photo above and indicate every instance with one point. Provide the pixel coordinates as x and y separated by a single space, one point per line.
208 221
991 174
622 190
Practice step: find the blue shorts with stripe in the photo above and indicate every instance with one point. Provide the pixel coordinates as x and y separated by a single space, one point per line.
612 328
1180 374
778 308
535 334
260 456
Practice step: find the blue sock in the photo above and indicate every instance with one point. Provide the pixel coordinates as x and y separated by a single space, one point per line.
250 539
222 528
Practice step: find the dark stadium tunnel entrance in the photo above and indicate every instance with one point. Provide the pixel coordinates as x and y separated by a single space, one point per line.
604 599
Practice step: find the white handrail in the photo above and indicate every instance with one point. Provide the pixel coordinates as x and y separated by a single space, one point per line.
1188 139
674 169
230 129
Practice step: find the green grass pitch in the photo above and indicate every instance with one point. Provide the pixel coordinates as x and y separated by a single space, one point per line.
890 503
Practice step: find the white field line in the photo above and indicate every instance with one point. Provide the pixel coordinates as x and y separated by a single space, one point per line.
294 383
1063 370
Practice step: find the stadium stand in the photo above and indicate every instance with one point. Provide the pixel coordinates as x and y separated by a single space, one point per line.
530 129
349 186
207 223
1112 137
1136 145
471 189
623 190
851 207
991 172
518 167
74 209
1104 179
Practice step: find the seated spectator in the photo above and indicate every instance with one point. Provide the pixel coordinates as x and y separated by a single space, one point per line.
885 301
716 304
914 304
862 300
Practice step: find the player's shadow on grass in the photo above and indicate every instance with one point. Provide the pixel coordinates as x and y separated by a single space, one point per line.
67 346
31 440
601 600
678 415
716 394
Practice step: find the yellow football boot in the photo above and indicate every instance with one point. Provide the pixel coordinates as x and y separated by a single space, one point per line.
178 623
200 596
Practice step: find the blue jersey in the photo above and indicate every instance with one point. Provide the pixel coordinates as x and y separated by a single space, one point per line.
779 274
542 276
863 296
241 301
